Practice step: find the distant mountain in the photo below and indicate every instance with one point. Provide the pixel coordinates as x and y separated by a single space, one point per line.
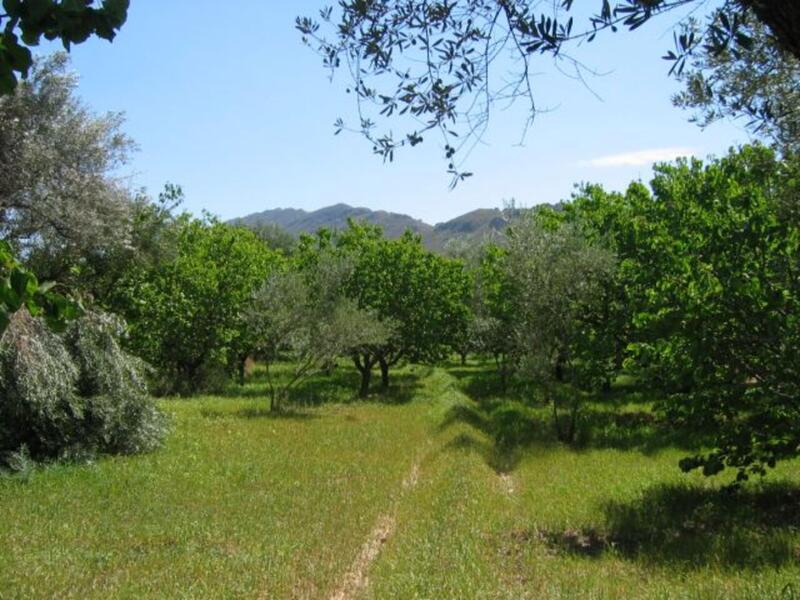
484 221
475 222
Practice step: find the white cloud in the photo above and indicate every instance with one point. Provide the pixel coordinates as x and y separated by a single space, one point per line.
639 158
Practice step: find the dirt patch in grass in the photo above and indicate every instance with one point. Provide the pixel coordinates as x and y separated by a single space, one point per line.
355 580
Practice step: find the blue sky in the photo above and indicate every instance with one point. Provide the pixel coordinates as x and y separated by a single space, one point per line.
223 99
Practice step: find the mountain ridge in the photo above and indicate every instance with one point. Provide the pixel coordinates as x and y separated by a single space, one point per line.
475 223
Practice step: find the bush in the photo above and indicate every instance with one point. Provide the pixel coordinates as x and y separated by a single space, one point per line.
73 395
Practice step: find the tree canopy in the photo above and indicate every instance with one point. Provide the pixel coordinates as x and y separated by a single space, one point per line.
185 309
25 22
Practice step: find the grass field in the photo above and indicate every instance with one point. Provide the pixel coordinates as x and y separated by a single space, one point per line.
408 495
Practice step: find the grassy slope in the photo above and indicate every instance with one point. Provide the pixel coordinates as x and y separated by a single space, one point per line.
241 504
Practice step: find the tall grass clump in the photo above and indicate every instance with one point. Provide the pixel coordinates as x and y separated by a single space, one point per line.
74 395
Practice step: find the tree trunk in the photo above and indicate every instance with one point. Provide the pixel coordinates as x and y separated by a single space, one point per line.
565 435
364 365
502 368
559 369
242 364
366 376
463 359
275 401
384 373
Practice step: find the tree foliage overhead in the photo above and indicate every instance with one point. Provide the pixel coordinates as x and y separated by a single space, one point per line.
23 23
430 65
758 83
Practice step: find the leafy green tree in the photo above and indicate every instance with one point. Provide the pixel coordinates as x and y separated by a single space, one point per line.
434 61
25 22
608 219
185 311
496 312
19 288
704 298
424 295
721 328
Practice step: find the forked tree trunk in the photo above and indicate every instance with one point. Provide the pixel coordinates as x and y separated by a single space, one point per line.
364 364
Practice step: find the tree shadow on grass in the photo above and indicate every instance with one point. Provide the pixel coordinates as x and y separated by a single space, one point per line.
508 430
515 428
342 386
338 386
681 526
258 412
482 382
637 430
620 419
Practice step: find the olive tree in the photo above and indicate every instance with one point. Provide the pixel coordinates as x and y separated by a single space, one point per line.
558 280
58 196
72 395
58 199
304 317
23 24
756 84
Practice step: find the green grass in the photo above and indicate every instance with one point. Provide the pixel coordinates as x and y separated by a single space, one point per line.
241 503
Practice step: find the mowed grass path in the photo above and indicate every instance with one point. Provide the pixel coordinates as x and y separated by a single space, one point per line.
241 504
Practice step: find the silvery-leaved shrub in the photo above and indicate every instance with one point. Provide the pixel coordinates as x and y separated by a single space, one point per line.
73 395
